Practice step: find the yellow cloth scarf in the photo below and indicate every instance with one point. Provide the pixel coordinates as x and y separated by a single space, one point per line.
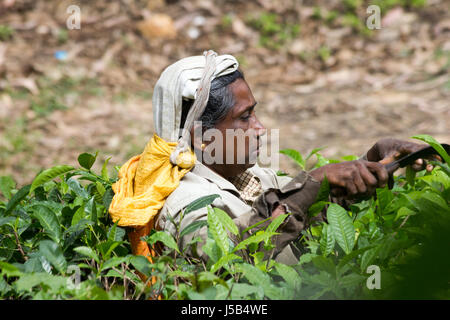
145 181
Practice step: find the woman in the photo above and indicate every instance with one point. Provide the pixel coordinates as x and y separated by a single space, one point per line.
249 193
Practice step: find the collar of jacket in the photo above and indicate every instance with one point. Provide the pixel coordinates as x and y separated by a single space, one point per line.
203 171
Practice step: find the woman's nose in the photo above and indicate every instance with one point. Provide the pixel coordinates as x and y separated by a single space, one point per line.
259 128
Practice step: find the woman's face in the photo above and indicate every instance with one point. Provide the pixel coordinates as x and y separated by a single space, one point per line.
241 131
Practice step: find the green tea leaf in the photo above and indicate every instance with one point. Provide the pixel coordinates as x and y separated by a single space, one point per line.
244 290
281 173
88 252
218 231
7 221
165 238
116 233
49 174
33 264
182 274
404 211
428 203
6 185
76 187
327 241
16 198
445 167
9 270
294 155
435 199
79 214
194 226
107 198
395 205
226 221
75 231
352 255
200 203
325 264
289 275
351 280
260 278
212 250
114 261
317 208
342 227
254 274
254 226
105 175
324 191
141 264
436 145
275 224
206 276
306 258
224 260
106 248
313 152
84 175
410 176
49 221
350 158
258 237
100 188
29 281
369 256
91 209
441 177
53 253
321 161
384 197
86 160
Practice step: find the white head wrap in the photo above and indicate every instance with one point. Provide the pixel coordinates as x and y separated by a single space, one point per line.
181 80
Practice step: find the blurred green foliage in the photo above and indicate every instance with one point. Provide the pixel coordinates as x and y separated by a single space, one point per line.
6 32
274 32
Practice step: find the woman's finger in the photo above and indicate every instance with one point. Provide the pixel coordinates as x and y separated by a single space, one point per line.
369 179
380 172
419 165
351 188
390 158
410 147
360 184
436 157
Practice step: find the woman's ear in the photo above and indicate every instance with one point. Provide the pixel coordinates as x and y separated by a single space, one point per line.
197 137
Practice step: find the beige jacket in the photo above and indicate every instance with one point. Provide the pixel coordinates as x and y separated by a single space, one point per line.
202 181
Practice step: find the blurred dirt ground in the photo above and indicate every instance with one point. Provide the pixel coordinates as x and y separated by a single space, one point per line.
316 76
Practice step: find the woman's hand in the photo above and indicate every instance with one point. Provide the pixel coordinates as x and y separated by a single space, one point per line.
356 178
278 211
388 150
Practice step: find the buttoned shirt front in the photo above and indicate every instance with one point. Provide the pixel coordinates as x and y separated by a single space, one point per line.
202 181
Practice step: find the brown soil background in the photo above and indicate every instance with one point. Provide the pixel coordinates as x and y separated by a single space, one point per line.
394 83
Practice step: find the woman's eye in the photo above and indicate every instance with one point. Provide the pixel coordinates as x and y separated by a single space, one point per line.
246 117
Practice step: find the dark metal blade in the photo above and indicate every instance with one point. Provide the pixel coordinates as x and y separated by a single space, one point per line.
410 158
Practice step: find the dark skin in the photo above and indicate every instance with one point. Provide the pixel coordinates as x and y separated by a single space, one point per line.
351 178
241 116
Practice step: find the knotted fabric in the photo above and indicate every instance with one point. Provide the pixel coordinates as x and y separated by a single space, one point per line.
146 180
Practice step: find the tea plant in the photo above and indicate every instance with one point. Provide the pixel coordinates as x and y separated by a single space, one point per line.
58 242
